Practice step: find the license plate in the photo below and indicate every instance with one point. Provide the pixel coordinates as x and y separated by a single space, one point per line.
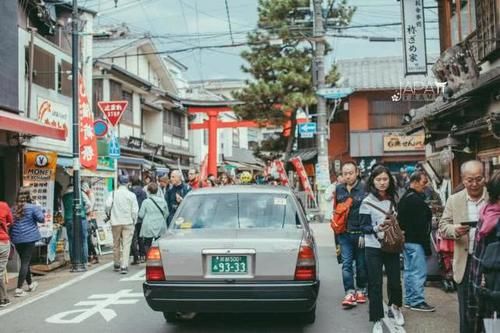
229 265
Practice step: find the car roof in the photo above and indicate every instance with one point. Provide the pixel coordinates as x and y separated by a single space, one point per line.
260 189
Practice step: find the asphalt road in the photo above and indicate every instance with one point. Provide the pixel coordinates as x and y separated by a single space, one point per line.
104 301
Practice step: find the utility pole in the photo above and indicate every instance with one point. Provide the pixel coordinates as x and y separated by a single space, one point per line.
319 75
77 264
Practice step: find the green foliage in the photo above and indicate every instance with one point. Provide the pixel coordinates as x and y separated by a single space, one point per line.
281 71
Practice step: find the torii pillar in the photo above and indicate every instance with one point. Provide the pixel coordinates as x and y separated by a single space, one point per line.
212 110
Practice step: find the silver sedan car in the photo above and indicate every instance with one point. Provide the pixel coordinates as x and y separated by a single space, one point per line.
235 249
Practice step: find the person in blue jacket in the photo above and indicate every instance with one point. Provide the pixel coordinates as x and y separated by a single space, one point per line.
24 234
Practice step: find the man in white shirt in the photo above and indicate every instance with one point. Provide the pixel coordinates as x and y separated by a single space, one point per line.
123 209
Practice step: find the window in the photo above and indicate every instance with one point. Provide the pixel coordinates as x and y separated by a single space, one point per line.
44 68
238 211
97 97
387 114
64 83
128 115
463 24
236 137
174 124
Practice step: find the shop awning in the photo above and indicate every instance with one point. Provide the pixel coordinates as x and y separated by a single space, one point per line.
135 161
305 154
14 123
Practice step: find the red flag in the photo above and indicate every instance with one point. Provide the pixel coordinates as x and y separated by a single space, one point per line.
301 172
280 168
88 141
204 169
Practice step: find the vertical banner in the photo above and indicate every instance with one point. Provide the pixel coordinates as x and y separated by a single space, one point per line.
88 140
40 174
299 167
204 169
280 168
415 52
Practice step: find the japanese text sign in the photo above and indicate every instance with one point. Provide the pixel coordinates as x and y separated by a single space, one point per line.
88 140
414 37
280 168
113 110
301 172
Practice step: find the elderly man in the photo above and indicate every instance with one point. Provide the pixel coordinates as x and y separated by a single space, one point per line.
175 193
415 218
463 207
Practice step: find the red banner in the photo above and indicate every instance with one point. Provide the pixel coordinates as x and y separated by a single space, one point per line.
280 168
301 172
88 141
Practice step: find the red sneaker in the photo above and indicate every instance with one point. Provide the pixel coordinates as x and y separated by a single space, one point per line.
349 300
360 297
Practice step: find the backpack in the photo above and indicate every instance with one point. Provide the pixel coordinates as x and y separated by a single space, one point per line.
394 239
490 270
339 219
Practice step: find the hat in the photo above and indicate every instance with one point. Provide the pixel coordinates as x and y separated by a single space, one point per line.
123 179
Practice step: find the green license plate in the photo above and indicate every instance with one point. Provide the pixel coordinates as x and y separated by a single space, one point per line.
229 265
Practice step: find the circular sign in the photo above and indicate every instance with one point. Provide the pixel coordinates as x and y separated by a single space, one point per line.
41 161
100 128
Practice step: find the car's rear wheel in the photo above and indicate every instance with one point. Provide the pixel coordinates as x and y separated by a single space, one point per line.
308 317
171 317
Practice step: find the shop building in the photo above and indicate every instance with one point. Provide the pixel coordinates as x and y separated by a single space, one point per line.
366 126
463 122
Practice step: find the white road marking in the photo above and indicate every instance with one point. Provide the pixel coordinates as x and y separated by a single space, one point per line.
139 276
390 324
56 289
99 304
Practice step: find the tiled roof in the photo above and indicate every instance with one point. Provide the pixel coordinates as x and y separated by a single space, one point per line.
242 155
376 73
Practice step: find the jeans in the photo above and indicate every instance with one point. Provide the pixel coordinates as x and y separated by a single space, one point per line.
415 273
84 241
375 259
122 239
25 251
4 257
350 252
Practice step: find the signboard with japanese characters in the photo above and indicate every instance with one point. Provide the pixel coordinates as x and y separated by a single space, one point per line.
393 142
301 172
39 174
53 114
414 37
113 110
88 140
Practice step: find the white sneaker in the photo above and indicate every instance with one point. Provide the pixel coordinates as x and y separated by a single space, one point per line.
377 327
19 293
33 286
398 315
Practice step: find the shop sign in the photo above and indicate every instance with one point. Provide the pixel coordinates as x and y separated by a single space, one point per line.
134 142
88 140
415 54
39 174
106 163
113 110
396 143
53 114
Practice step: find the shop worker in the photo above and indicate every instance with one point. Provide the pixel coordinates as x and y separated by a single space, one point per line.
122 208
462 208
68 223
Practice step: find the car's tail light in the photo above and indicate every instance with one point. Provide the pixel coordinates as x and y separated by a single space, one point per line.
306 262
154 266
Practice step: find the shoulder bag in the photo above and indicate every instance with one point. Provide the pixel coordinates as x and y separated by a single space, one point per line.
393 240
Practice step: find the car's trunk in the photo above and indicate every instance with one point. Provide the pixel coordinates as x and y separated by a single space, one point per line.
263 254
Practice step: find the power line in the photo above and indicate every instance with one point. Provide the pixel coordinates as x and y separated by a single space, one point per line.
229 21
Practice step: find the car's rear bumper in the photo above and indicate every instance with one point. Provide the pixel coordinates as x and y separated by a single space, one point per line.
289 296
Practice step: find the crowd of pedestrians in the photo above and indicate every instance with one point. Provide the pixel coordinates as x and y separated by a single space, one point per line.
470 219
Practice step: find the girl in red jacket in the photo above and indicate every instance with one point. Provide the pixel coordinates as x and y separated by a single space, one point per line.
5 222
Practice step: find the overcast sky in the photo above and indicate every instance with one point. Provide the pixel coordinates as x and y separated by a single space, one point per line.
180 24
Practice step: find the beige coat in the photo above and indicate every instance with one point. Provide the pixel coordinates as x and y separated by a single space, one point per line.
455 212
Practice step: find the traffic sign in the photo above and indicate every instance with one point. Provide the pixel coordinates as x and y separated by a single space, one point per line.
100 128
114 147
334 93
113 110
307 128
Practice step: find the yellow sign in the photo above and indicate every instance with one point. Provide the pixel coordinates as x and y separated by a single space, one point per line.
394 143
39 167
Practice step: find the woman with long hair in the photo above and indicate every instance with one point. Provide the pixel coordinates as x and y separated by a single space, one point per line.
24 234
382 196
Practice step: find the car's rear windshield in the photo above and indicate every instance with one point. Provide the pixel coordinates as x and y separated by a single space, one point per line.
237 211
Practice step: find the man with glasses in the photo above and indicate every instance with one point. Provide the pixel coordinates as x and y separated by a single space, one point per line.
461 209
415 218
194 179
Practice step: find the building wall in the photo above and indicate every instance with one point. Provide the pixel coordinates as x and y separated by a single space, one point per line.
153 126
9 68
358 112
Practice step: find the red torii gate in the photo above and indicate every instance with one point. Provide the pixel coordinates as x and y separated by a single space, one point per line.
212 110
